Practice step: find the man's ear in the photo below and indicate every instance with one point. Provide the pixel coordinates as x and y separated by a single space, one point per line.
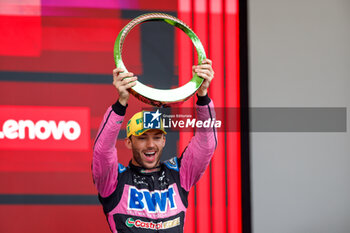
128 142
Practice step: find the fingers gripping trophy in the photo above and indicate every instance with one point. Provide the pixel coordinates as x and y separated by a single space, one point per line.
148 194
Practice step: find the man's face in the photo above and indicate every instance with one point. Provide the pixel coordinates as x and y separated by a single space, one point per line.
146 148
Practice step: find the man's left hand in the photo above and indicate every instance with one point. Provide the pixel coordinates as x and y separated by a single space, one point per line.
205 71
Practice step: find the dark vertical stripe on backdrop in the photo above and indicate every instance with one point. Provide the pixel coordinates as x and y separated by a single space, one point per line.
233 146
245 154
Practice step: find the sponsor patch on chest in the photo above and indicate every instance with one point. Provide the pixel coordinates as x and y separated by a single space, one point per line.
158 201
130 222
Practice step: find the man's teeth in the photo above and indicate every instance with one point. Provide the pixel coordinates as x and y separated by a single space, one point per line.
150 153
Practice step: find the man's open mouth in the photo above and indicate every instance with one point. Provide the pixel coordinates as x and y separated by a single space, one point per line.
150 153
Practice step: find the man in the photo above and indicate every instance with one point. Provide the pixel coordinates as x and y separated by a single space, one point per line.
149 196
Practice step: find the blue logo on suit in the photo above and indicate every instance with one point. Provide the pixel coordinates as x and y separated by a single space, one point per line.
155 201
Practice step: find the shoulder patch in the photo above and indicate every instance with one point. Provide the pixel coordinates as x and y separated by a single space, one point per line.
121 168
172 163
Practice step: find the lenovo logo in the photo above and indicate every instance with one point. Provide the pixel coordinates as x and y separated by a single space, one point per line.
42 130
48 128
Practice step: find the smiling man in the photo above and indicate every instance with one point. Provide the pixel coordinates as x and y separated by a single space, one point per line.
149 195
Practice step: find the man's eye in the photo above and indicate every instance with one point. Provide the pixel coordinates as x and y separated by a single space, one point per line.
157 138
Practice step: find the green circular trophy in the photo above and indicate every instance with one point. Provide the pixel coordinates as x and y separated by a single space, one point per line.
153 96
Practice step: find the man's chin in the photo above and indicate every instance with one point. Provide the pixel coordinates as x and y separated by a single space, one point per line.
150 165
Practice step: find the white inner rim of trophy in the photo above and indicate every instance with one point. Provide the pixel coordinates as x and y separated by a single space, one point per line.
169 95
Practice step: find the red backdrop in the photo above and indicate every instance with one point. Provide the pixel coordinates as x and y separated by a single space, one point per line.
55 64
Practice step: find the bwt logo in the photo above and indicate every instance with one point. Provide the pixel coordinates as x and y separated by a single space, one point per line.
154 202
44 128
151 120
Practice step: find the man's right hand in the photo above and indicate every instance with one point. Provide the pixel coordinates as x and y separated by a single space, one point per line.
123 81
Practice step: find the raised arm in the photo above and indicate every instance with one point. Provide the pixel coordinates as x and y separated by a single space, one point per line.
196 157
105 159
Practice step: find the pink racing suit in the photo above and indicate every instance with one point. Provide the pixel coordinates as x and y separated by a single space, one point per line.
136 199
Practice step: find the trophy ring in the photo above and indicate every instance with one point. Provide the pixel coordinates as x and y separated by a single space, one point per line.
153 96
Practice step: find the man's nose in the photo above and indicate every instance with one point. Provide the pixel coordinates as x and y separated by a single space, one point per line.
150 142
